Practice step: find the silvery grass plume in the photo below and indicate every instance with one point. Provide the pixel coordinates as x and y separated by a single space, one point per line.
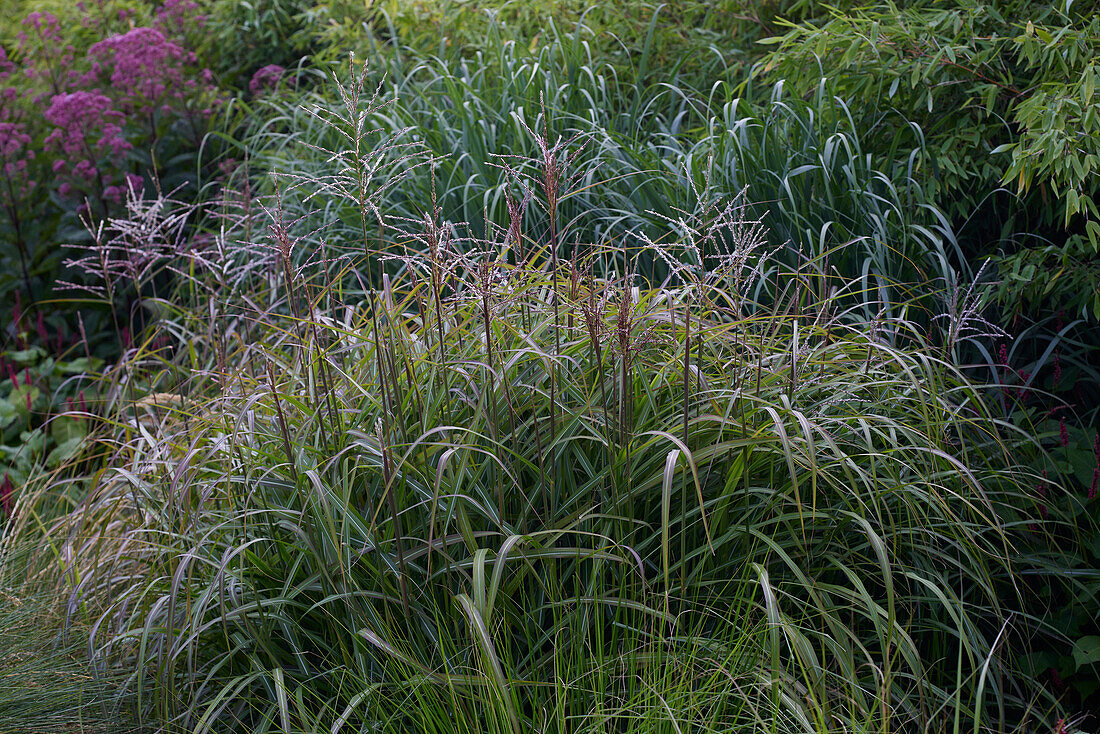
226 260
130 250
370 163
555 175
717 248
964 315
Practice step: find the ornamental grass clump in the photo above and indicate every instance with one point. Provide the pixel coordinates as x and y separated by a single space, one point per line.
819 190
471 484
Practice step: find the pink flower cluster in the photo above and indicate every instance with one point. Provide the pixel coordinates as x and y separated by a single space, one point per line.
15 155
145 68
86 129
6 66
43 43
176 17
81 116
16 150
265 78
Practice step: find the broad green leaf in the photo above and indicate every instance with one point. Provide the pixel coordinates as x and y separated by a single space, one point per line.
66 428
1086 651
28 356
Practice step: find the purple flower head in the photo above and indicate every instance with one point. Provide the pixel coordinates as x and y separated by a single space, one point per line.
87 132
265 78
6 66
143 66
45 53
14 141
15 157
86 125
174 17
45 25
85 170
13 169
